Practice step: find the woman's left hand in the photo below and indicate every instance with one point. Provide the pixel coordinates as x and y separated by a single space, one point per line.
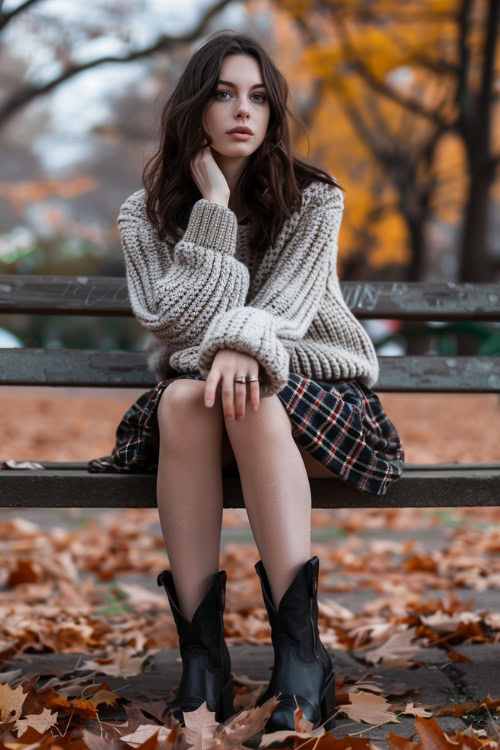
226 365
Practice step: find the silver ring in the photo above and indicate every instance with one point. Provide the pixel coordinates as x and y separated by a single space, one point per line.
240 378
252 378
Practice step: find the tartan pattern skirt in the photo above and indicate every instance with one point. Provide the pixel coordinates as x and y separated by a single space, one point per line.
342 424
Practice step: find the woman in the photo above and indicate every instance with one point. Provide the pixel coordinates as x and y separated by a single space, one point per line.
231 254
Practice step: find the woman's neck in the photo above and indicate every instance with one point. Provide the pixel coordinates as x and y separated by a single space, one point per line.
235 205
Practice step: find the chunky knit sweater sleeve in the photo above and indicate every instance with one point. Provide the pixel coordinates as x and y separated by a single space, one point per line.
284 307
176 289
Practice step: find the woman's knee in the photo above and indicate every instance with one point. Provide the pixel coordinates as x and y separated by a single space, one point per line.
182 406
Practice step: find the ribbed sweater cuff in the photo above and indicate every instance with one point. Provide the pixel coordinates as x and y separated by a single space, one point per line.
212 225
251 331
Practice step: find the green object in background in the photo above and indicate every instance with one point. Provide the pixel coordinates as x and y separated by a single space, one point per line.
491 347
488 340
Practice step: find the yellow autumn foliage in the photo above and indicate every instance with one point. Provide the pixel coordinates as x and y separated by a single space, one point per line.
389 79
392 245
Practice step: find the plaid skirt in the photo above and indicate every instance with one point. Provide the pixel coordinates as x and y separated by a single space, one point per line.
342 424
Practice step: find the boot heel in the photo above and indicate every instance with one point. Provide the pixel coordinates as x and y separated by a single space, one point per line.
225 708
328 705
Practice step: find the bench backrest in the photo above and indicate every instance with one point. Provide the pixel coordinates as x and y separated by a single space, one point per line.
108 296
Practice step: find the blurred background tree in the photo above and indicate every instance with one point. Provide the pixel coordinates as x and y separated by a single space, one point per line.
399 102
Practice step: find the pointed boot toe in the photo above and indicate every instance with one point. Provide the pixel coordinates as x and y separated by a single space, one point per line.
283 716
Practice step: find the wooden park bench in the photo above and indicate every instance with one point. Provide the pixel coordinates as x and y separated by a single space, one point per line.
71 485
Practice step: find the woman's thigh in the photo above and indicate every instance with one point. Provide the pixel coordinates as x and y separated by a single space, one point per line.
314 469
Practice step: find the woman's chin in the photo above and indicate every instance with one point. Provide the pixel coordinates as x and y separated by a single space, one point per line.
236 148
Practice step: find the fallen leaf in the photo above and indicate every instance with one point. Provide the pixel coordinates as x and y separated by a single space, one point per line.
369 708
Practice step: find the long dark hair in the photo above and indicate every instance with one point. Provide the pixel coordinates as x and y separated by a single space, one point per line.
270 187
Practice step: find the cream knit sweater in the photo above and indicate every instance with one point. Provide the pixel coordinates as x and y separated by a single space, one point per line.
210 291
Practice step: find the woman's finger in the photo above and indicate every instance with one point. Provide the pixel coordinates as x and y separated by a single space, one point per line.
255 394
240 390
228 385
211 383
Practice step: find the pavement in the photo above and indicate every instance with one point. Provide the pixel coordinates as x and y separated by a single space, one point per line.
437 680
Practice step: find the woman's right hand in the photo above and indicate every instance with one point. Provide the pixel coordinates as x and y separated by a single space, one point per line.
209 178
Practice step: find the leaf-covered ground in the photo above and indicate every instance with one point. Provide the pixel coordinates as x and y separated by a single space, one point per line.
79 588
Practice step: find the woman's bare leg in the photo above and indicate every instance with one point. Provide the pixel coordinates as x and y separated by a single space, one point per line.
189 488
276 489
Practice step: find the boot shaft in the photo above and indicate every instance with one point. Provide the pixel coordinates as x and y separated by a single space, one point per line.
303 669
206 629
296 617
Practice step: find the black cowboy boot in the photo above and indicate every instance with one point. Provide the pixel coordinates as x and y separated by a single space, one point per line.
206 664
302 665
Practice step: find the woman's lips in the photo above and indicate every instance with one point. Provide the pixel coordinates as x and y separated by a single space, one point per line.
240 136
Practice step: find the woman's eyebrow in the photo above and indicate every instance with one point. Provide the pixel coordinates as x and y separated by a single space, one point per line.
255 86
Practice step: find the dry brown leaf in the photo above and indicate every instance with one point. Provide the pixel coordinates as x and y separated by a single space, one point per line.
122 664
271 738
146 732
363 683
443 623
369 708
243 725
459 709
11 703
139 597
106 697
417 710
397 651
432 737
39 722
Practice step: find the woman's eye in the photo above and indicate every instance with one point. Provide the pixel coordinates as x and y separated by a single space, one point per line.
262 97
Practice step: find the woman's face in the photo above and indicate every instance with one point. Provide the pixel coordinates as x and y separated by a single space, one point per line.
243 103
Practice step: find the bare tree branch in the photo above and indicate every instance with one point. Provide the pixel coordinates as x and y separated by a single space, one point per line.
437 65
381 86
163 44
6 17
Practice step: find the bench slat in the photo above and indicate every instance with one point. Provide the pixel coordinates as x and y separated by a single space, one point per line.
96 295
409 467
420 488
84 367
